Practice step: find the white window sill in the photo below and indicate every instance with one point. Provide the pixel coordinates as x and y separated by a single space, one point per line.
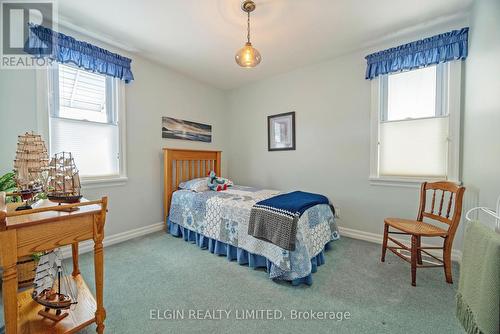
89 183
405 182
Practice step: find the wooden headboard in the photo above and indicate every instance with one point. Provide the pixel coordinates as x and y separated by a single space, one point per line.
182 165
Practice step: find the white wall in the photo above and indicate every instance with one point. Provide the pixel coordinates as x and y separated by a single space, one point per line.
481 164
332 104
17 112
157 91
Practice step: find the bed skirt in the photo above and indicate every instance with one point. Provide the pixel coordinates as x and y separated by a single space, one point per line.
240 255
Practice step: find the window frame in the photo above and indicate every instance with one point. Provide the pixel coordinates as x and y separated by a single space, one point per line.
46 104
448 104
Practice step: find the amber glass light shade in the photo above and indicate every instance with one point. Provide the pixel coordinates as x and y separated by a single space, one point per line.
248 56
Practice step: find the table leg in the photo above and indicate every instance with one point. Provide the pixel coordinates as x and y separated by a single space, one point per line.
100 313
99 221
74 253
9 283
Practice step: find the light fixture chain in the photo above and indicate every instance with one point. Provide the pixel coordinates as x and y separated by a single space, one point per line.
248 27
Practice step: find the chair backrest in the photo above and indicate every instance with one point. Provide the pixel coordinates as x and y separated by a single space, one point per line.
442 212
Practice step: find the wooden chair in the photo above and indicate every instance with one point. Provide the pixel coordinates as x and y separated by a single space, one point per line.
418 229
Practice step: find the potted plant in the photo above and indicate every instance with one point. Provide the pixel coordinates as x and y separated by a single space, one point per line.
8 185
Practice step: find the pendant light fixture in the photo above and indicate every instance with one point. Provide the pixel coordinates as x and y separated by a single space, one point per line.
248 56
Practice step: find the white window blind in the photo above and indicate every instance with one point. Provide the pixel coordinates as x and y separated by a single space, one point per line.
94 145
84 121
414 148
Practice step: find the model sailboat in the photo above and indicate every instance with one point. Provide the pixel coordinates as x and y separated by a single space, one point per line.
30 164
52 288
64 180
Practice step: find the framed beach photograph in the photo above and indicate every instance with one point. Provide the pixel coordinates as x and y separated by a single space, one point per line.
281 132
173 128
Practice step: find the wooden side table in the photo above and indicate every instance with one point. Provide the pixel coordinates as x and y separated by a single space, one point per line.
45 227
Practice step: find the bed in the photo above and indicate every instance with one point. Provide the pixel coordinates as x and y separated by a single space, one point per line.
218 221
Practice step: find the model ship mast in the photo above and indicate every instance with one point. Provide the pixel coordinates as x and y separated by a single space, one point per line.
52 288
30 164
64 180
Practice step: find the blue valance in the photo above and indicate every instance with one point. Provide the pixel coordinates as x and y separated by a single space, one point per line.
44 42
428 51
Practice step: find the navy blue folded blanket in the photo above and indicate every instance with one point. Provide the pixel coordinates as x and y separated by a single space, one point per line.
275 219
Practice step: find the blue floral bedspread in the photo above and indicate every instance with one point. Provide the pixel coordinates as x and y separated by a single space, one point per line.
224 216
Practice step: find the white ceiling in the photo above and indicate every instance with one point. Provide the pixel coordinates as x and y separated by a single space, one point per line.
200 37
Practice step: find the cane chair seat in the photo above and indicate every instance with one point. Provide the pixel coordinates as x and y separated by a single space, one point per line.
415 227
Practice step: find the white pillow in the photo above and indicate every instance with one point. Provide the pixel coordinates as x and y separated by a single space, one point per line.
198 185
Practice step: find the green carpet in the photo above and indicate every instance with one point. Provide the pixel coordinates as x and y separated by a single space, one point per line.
159 271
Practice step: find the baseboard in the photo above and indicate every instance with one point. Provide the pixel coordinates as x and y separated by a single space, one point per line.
88 246
456 254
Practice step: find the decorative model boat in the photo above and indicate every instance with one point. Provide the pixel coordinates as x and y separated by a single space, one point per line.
30 166
63 180
52 288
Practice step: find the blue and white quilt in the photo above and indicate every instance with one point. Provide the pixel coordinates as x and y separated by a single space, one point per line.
224 216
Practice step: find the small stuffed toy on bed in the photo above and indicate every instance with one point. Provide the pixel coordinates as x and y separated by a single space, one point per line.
216 183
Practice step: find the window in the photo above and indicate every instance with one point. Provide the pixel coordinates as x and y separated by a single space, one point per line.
85 119
82 95
414 124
